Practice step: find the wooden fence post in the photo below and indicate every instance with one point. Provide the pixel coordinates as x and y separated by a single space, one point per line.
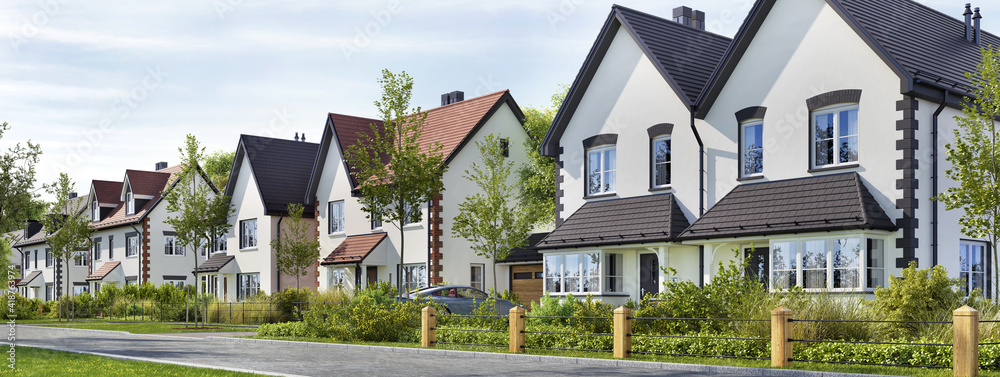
965 330
428 323
781 332
623 332
516 337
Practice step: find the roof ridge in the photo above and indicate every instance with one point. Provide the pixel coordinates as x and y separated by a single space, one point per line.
276 139
618 6
462 101
861 198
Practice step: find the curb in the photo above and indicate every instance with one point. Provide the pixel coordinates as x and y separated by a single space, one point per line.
81 330
566 360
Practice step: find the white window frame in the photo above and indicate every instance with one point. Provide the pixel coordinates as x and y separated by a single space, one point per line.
131 246
96 210
560 269
80 289
80 259
414 276
338 278
830 267
966 267
836 111
614 281
96 249
745 126
177 283
170 247
653 164
604 153
248 234
249 288
335 217
48 258
478 284
221 244
376 223
129 202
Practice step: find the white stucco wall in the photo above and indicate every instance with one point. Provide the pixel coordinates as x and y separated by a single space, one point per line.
248 205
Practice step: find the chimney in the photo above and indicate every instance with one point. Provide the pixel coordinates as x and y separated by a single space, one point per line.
975 19
32 228
296 136
72 195
968 21
689 17
161 165
303 137
450 98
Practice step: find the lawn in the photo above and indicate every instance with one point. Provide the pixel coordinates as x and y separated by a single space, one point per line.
863 369
146 328
41 362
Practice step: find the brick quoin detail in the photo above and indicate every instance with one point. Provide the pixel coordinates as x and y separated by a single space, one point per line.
316 217
145 251
434 266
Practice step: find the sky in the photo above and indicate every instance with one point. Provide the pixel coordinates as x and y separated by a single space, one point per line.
105 85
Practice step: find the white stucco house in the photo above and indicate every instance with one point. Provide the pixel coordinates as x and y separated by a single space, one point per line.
357 251
267 175
812 143
44 276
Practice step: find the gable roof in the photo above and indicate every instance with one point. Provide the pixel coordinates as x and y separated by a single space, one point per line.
651 218
27 280
107 192
215 263
812 204
526 253
923 46
281 169
103 272
354 249
452 125
685 57
39 237
151 183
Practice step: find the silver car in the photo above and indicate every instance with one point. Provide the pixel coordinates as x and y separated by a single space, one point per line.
460 299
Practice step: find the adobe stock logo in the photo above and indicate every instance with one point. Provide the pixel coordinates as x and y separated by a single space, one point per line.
30 27
365 34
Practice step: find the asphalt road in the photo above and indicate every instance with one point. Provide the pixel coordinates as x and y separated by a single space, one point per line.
306 359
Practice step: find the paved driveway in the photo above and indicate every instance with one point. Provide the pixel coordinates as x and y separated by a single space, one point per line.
310 359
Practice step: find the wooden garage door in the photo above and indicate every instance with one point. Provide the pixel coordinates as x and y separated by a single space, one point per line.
526 281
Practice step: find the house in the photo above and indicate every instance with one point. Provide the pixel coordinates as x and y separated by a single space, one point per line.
267 175
811 143
357 251
43 276
132 243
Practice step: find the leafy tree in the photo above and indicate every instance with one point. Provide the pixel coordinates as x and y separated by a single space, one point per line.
200 213
537 181
394 171
217 166
296 248
490 219
17 180
68 227
975 157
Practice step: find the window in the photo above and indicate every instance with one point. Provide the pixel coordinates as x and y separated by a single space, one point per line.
221 243
835 135
336 217
248 233
96 208
376 223
170 246
573 273
972 262
129 202
209 284
752 153
601 170
27 259
836 263
414 276
613 270
48 258
97 249
97 286
505 146
131 246
80 258
661 161
338 278
48 292
79 289
476 278
111 247
175 282
247 285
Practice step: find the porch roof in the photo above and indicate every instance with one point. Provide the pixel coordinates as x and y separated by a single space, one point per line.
103 272
527 253
215 263
28 280
653 218
354 249
812 204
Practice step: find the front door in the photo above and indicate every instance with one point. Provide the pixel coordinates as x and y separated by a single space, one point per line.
372 273
757 267
649 274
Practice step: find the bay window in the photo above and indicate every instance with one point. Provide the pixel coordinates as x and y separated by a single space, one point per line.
840 263
338 278
582 273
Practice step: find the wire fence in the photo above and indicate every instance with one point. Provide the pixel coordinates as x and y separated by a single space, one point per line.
836 341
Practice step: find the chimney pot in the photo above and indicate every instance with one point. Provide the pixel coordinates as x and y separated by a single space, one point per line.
977 37
450 98
968 21
296 136
690 17
161 165
72 195
303 137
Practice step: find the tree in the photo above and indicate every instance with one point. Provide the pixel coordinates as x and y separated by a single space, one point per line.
200 215
394 171
68 227
490 219
17 179
217 166
975 157
296 248
537 180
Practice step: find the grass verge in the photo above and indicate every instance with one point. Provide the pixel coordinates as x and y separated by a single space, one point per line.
42 362
148 328
822 367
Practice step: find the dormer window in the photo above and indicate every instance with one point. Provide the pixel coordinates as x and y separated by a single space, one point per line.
129 203
96 207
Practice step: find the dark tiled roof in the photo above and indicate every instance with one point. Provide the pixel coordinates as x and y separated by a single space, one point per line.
651 218
921 39
105 269
687 54
528 253
143 183
108 192
27 280
814 204
282 169
215 263
354 249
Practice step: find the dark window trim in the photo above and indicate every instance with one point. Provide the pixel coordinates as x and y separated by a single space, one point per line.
739 142
660 130
809 133
98 239
599 140
750 178
131 234
829 168
667 188
169 233
752 112
833 98
174 277
651 159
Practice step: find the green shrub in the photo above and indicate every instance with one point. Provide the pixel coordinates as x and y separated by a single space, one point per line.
920 295
283 330
25 308
370 315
